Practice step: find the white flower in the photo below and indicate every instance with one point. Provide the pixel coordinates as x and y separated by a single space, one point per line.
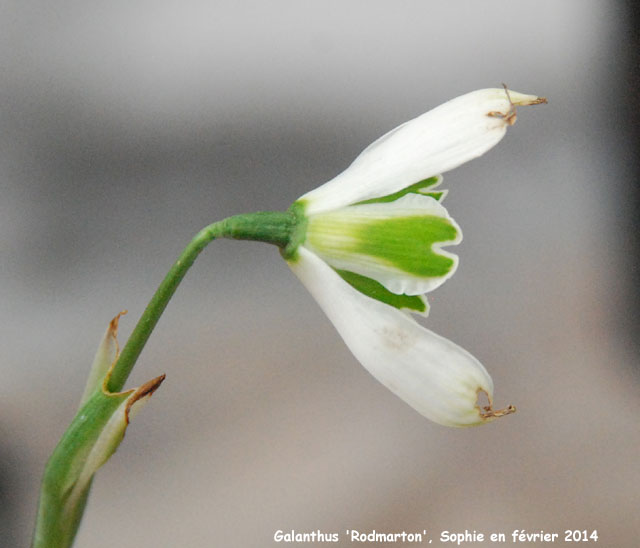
370 244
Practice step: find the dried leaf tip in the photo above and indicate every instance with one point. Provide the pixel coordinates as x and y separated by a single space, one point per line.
113 324
113 330
144 391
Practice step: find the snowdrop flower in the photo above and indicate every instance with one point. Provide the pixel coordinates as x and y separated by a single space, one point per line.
369 245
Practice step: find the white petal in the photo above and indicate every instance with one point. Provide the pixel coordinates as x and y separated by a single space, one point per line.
442 139
336 237
437 378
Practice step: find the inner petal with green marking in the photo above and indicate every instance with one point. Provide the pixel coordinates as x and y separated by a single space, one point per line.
417 188
412 303
396 243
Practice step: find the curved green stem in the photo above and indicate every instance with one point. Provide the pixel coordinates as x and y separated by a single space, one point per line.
265 226
99 425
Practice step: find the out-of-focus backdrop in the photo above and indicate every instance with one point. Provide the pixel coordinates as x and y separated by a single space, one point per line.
126 127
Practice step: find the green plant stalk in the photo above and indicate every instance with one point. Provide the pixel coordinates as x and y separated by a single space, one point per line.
265 226
56 525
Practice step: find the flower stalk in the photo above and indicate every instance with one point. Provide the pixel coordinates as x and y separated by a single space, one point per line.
104 414
265 226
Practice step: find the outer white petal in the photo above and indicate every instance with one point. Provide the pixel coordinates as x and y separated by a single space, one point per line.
442 139
335 245
437 378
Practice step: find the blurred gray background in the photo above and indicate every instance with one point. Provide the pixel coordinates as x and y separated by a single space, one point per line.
127 126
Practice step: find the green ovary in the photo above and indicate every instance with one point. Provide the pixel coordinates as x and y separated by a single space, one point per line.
402 243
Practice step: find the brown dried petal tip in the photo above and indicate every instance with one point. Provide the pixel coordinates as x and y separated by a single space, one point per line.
510 116
487 412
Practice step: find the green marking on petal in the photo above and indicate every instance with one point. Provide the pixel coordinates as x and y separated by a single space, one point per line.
402 243
438 195
407 242
375 290
415 188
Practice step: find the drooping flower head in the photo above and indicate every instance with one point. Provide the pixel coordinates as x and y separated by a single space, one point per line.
369 246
